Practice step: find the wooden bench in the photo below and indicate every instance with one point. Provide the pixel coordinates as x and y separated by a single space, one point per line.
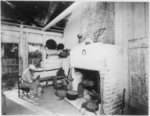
50 78
25 90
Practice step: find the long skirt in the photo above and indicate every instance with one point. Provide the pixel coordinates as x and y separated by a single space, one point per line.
35 87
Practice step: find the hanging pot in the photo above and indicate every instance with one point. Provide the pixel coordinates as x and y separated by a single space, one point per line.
63 54
51 44
60 46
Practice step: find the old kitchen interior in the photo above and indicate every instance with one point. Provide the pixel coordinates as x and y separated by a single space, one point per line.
98 55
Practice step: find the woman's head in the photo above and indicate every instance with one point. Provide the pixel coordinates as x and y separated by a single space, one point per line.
31 67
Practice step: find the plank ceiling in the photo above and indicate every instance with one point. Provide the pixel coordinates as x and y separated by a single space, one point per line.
34 13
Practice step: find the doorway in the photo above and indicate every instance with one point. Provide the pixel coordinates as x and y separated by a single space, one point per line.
10 65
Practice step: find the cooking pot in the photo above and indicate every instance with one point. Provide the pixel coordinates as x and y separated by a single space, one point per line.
60 93
94 95
72 95
51 44
91 106
63 54
87 83
60 46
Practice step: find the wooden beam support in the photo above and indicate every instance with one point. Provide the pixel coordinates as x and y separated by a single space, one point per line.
62 15
51 8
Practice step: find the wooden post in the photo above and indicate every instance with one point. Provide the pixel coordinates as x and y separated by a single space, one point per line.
26 50
43 51
20 52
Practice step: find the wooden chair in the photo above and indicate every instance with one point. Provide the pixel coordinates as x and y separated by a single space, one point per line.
24 90
23 93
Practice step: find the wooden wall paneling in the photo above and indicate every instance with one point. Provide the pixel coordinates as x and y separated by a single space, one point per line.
30 30
22 35
9 26
130 35
44 50
138 43
138 60
123 33
147 19
118 23
35 38
130 21
26 50
127 34
139 79
9 36
22 50
139 20
21 55
43 53
53 34
1 59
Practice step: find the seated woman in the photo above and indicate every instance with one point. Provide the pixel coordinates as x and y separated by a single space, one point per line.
29 79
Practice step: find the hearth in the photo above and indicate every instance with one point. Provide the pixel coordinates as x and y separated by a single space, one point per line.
97 72
90 83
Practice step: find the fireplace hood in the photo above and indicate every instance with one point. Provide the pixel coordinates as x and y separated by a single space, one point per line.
94 56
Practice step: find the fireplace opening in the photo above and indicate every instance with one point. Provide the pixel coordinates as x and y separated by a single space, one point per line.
89 85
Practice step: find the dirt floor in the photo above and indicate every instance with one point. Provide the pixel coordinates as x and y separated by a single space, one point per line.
55 104
12 108
51 104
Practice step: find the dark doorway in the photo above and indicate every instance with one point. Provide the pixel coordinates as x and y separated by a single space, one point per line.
10 64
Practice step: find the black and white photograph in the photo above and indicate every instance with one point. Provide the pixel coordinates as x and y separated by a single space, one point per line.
74 58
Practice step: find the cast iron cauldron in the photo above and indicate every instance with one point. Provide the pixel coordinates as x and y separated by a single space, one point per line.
51 44
87 83
91 106
72 95
64 53
60 46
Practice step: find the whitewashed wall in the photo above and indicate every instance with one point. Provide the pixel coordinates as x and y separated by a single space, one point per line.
87 20
23 35
131 32
90 17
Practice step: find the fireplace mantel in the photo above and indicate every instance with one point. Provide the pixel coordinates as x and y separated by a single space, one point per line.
93 56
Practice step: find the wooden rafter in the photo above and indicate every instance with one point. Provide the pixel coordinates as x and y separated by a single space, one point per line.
51 8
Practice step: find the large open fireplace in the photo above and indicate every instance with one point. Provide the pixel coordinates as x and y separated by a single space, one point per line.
97 75
89 84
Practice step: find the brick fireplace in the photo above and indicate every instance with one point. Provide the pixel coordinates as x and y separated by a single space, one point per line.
100 73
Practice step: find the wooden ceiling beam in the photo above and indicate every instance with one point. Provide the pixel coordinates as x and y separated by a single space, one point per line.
62 15
51 8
